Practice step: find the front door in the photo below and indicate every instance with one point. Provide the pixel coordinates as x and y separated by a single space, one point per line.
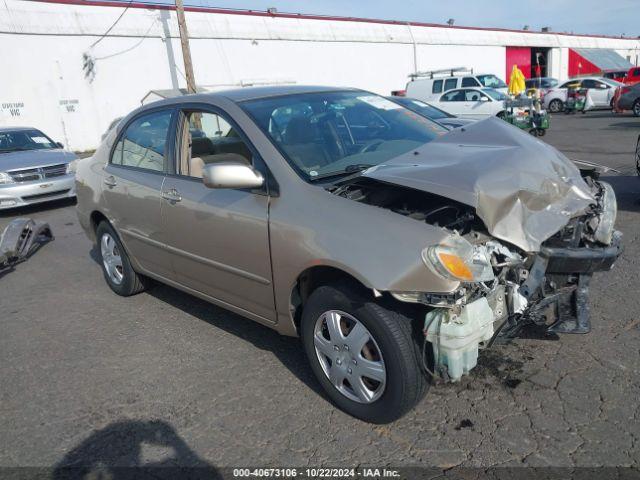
218 239
132 185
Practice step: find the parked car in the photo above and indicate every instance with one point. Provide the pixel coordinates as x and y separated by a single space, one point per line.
618 75
341 217
429 111
544 84
630 99
428 86
473 103
633 76
33 168
638 156
601 92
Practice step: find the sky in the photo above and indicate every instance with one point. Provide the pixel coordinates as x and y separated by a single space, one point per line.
614 17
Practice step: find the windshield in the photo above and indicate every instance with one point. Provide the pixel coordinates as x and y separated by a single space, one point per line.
491 81
13 141
333 133
422 108
494 94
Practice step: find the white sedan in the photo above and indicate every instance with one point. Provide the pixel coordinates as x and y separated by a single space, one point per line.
601 91
473 103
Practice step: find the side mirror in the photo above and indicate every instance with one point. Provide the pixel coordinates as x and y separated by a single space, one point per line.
231 174
59 145
484 99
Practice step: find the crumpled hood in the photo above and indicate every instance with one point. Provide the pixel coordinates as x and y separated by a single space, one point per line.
34 158
523 189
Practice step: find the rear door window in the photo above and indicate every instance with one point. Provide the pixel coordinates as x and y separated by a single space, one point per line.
437 86
450 84
143 143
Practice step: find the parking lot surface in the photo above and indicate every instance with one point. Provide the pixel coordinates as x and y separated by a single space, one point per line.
164 378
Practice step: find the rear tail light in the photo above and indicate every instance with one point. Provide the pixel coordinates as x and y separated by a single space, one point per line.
399 93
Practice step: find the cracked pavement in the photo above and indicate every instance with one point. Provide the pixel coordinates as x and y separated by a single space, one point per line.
165 378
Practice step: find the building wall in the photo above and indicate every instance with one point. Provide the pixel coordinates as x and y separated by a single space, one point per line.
42 46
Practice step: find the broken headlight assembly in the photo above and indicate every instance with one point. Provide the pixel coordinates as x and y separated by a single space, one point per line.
457 259
607 218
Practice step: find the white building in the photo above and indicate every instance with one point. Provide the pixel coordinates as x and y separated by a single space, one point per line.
42 43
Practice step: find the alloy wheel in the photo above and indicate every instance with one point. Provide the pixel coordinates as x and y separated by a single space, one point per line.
349 356
111 258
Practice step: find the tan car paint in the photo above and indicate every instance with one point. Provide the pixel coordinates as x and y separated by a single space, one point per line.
302 228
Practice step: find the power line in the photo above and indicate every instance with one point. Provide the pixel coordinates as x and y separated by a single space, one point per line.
112 26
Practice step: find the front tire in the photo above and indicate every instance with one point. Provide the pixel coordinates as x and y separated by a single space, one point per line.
363 353
636 108
556 105
116 267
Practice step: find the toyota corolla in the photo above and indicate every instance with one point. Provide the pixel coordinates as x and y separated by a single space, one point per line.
395 249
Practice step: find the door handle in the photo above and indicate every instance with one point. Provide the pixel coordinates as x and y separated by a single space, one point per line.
110 181
172 195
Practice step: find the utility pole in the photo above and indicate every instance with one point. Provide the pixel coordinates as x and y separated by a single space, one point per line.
186 51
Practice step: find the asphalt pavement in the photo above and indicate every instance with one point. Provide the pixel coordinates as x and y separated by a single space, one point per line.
163 378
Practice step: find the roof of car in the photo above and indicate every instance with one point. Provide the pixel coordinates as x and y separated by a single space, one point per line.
252 93
15 129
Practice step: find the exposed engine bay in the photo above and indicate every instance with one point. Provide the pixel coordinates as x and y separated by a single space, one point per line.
508 288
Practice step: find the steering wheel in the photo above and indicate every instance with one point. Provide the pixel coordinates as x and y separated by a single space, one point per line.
371 146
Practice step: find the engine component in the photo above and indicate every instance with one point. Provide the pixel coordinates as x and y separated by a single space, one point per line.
456 337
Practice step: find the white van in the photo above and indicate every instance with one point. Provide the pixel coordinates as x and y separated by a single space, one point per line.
429 86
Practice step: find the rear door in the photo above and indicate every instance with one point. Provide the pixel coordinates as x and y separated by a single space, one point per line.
132 187
218 239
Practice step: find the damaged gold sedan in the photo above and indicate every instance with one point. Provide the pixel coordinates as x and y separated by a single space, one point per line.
396 249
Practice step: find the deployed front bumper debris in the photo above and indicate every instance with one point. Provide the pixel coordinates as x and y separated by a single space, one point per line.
20 239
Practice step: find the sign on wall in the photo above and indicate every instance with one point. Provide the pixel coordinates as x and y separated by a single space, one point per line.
69 105
11 109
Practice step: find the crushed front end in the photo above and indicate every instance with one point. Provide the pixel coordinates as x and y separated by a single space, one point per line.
503 288
548 288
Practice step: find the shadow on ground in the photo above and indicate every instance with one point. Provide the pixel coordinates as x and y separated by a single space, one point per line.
286 349
133 449
38 207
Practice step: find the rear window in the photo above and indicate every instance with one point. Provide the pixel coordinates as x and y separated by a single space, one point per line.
437 86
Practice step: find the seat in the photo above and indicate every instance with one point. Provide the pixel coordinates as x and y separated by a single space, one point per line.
299 141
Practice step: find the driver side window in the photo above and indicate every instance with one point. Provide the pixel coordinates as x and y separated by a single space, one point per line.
209 138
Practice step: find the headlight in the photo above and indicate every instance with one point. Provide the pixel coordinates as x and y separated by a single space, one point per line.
457 259
604 230
71 166
5 178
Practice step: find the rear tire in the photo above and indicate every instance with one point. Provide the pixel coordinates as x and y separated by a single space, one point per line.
116 267
391 338
636 108
556 105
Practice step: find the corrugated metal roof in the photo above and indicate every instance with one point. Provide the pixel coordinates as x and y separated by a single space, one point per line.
604 58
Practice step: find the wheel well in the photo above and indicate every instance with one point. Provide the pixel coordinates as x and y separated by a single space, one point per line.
315 277
97 217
